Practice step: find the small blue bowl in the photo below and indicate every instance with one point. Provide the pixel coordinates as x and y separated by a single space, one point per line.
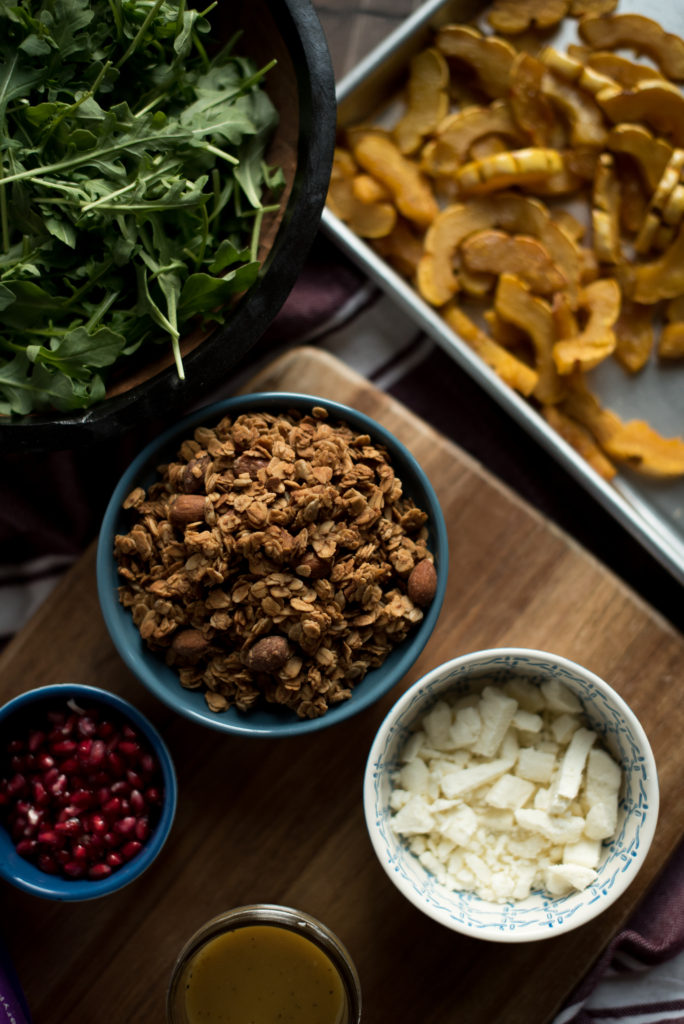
150 669
25 875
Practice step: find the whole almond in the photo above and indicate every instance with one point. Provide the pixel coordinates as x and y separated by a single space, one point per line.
250 464
188 645
422 583
192 480
268 654
185 509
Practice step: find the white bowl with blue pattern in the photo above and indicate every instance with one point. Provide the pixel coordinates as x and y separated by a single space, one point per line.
540 915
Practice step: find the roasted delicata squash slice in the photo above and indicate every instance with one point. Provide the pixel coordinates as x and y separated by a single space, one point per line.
633 443
658 104
427 99
497 252
572 70
532 111
662 278
368 219
585 119
605 212
638 33
514 16
662 200
455 135
516 303
601 300
379 155
437 279
619 69
402 248
650 153
634 333
488 56
579 438
513 371
505 170
579 8
671 340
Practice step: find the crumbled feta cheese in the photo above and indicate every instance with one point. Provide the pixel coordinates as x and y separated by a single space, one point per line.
535 765
506 791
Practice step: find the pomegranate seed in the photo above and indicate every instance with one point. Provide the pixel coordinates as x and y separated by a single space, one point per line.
112 840
75 869
69 766
17 785
59 786
82 798
112 808
36 740
70 827
98 824
105 729
142 829
153 795
97 753
103 794
57 717
120 788
125 826
48 838
84 748
99 871
16 747
129 850
64 748
47 864
51 775
134 779
129 748
117 765
45 761
26 847
61 856
41 796
114 859
128 732
79 852
148 764
137 801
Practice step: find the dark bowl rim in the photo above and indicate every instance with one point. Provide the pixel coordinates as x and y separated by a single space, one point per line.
164 394
117 620
53 887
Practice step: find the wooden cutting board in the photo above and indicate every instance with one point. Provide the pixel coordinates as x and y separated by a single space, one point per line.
281 821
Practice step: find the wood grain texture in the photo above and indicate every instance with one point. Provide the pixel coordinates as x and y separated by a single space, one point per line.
281 821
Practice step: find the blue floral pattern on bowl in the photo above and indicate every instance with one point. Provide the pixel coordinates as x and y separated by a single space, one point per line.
539 915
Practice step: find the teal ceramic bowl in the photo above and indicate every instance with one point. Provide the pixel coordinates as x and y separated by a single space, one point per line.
24 712
268 720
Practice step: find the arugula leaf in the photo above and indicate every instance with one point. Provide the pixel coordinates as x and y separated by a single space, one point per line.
133 182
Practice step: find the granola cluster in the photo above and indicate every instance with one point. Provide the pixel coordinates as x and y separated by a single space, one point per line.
272 561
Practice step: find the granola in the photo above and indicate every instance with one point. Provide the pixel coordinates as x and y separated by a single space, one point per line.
271 561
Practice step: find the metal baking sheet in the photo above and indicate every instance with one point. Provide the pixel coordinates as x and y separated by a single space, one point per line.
651 510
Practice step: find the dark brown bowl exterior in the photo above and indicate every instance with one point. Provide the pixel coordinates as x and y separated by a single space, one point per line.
302 86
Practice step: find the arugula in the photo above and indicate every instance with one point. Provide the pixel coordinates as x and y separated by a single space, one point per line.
133 183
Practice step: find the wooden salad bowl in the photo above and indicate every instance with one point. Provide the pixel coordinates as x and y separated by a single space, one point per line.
302 87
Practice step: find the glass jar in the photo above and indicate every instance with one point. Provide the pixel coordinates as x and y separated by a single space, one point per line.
264 959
